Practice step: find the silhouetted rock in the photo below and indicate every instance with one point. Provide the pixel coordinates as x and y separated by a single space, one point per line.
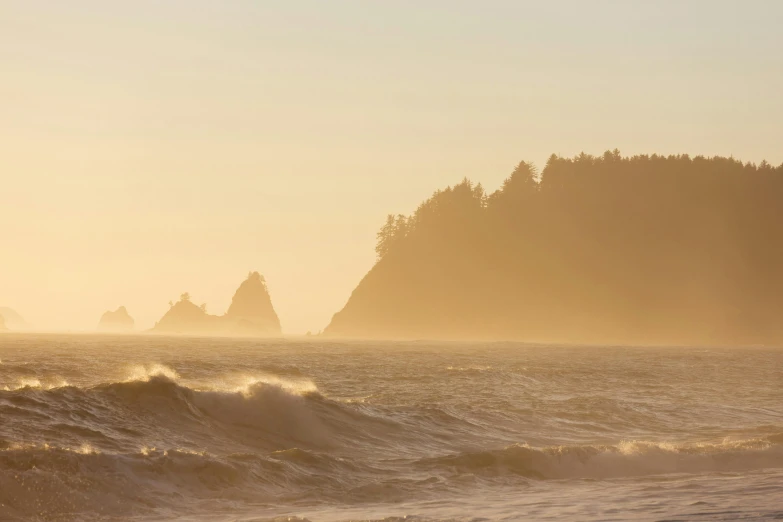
117 321
251 310
608 249
12 320
251 314
185 317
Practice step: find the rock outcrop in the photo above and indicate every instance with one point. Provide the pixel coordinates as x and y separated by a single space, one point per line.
184 317
251 314
251 310
117 321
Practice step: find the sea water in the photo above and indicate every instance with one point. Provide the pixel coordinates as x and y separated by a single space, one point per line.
98 427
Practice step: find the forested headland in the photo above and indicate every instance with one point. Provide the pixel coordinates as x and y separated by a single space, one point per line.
607 249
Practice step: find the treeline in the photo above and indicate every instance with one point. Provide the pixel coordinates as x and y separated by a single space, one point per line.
658 249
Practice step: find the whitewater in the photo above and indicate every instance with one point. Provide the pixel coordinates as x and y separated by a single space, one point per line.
147 428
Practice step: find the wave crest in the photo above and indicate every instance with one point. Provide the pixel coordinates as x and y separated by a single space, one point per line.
628 458
145 372
37 384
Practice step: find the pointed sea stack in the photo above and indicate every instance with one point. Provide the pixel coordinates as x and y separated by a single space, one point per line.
117 321
251 310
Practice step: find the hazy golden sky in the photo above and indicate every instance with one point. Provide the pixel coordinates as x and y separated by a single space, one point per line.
149 148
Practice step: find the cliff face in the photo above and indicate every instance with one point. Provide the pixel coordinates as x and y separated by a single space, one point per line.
117 321
251 314
641 250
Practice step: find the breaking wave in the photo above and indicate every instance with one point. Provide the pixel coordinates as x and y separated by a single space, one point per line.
139 440
154 406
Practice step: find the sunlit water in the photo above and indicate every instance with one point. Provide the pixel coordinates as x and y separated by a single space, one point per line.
156 428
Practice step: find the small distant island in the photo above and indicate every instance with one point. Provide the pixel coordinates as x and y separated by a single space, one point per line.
251 314
594 249
117 321
12 320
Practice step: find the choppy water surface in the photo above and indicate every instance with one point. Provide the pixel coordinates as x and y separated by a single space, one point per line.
155 428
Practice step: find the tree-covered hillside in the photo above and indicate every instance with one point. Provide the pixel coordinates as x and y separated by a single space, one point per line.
643 249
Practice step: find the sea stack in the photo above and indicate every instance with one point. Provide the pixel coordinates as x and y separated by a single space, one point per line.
117 321
251 310
251 314
184 317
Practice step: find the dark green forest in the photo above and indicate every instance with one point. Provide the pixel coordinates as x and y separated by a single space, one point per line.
642 249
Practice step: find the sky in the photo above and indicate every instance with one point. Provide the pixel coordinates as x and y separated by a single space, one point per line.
150 148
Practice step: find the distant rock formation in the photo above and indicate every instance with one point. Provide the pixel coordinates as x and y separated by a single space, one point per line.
251 314
2 324
117 321
12 320
184 317
251 310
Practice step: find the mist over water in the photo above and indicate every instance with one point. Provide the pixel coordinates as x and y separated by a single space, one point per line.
158 428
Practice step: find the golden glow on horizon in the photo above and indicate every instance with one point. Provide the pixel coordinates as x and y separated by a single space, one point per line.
153 148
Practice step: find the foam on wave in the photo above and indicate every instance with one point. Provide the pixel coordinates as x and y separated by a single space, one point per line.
36 383
145 372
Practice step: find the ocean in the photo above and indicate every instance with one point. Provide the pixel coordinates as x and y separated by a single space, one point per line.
147 428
